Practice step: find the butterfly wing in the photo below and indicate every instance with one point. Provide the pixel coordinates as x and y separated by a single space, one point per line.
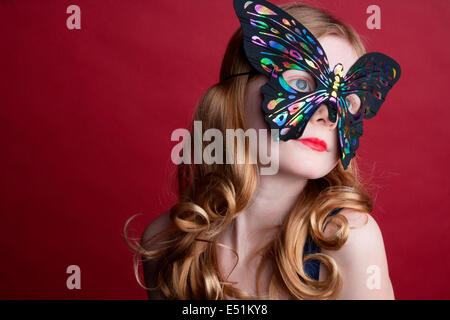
370 78
290 114
350 128
275 42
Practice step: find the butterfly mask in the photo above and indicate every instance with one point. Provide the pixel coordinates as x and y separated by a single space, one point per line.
274 42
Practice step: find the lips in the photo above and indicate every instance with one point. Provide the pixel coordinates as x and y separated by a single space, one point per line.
314 143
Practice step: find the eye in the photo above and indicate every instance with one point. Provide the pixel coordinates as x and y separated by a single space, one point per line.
299 80
353 103
300 85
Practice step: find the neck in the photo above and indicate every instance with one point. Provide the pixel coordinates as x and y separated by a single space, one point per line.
274 197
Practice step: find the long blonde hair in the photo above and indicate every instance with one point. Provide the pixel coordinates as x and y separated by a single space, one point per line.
211 196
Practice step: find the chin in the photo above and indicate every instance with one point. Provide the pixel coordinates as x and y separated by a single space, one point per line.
307 168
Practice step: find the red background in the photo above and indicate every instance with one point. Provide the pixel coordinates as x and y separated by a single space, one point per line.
86 117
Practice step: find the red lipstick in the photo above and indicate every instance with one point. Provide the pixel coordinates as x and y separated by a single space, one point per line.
314 143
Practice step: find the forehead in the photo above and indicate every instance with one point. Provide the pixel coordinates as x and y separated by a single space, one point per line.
338 50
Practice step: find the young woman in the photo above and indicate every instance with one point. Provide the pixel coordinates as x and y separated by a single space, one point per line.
303 233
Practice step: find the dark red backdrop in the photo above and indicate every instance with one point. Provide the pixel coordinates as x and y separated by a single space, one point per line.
86 117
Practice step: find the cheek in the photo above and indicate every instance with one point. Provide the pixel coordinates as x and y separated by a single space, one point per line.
254 115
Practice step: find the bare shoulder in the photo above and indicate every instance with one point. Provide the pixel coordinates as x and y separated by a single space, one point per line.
159 224
362 227
362 260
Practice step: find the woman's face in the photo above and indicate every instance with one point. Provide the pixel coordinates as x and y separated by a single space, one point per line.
294 156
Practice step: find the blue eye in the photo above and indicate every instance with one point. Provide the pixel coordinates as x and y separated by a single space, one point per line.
353 103
300 84
349 104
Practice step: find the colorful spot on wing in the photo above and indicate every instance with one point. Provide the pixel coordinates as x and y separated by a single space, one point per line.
310 63
288 65
269 66
309 108
290 37
320 51
258 41
310 39
304 46
272 104
263 10
278 46
295 107
247 4
281 118
295 54
274 30
259 24
286 22
297 119
284 131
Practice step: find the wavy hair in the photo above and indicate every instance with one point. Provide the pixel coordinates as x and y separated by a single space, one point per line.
211 196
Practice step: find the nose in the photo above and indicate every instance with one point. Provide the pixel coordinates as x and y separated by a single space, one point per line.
321 117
